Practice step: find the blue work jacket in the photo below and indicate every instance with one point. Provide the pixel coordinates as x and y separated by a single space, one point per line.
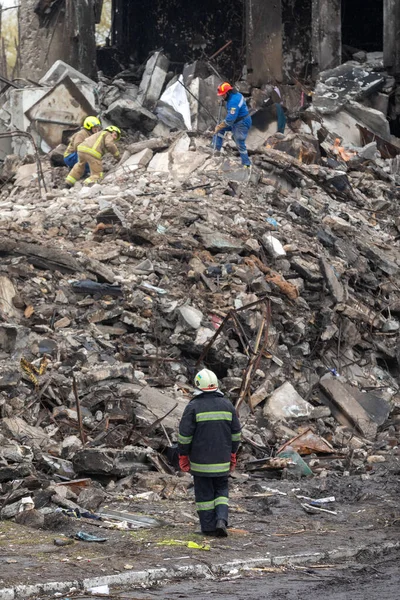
236 108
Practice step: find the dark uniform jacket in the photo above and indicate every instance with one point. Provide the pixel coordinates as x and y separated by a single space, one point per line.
209 432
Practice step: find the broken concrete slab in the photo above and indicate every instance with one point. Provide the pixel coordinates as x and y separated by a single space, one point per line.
351 408
369 152
198 68
204 94
153 80
93 461
155 404
380 258
272 245
99 373
286 403
91 498
369 117
185 163
25 175
135 321
333 283
349 81
307 268
218 242
129 113
261 393
109 461
343 125
373 404
12 472
7 294
72 108
379 102
160 163
59 70
141 159
18 429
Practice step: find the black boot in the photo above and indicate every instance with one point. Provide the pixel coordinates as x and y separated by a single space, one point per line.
221 528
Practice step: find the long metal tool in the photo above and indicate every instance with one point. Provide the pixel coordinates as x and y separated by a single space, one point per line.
219 121
201 104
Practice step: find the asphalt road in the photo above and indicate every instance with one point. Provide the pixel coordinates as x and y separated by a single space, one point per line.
372 580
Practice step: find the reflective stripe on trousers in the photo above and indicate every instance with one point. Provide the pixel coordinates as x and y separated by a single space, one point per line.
211 500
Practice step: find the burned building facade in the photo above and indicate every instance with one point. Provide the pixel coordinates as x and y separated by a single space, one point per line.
271 40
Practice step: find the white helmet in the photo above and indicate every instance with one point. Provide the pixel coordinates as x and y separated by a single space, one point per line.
206 381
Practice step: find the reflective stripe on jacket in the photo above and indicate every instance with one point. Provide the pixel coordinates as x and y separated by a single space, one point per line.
209 432
77 138
99 144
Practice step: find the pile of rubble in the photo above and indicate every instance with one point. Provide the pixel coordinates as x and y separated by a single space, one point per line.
284 282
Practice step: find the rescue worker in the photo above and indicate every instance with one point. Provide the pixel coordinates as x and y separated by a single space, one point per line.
91 125
209 437
91 151
238 120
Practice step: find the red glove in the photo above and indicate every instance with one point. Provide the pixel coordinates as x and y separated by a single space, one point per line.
233 462
184 463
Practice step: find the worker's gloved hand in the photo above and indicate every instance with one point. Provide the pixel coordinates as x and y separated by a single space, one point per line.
233 462
184 463
219 127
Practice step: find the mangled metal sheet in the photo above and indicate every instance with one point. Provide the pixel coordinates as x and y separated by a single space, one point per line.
63 108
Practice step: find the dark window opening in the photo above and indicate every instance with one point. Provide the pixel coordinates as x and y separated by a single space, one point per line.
186 30
362 24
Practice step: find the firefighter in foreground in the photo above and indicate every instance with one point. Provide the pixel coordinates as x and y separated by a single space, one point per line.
91 125
91 151
238 120
209 437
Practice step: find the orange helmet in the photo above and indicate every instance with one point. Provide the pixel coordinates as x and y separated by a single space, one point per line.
224 88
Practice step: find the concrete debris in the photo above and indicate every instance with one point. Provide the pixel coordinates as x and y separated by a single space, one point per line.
347 82
127 113
286 403
282 278
153 80
347 404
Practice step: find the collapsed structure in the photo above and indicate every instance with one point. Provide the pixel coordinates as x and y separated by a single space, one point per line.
284 282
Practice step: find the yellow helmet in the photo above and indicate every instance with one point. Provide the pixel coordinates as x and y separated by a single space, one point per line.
113 129
91 122
206 381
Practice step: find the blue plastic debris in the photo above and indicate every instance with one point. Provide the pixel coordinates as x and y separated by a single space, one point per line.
273 222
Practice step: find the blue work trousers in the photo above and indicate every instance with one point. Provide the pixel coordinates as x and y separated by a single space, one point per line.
240 131
71 161
280 113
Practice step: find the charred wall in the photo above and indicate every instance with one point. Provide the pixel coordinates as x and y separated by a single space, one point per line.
57 30
296 19
186 29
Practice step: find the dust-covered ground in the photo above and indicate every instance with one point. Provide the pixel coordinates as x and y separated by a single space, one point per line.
274 525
